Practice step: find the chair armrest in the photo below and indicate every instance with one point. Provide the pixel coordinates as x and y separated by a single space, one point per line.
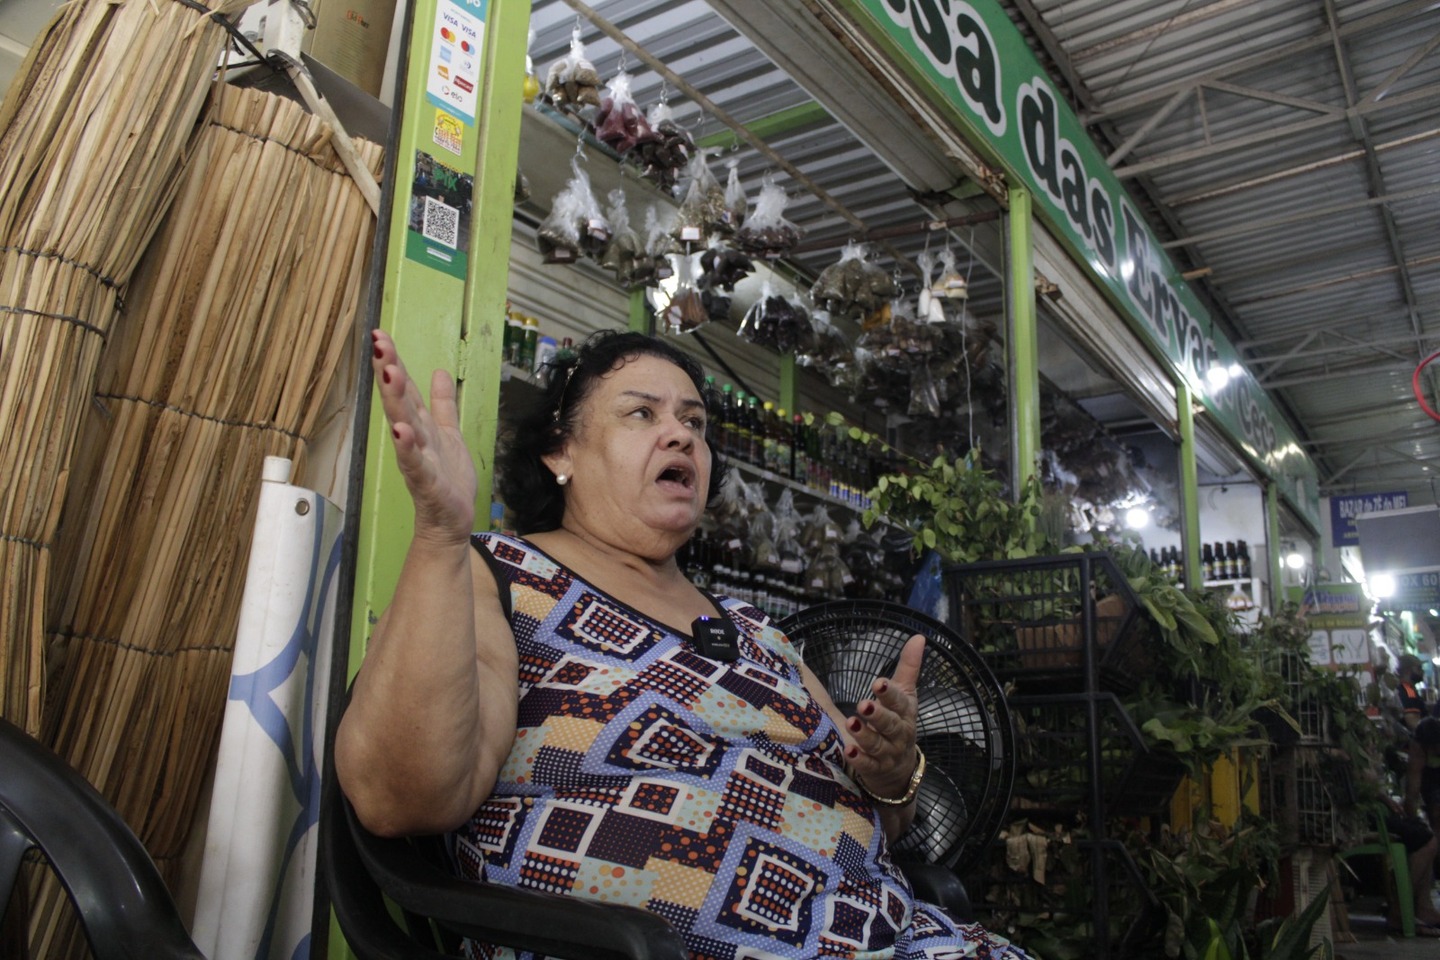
938 885
549 924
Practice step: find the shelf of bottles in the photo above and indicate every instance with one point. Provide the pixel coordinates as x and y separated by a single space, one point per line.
1226 566
821 463
804 452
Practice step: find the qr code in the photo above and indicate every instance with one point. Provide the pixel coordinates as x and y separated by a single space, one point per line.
441 224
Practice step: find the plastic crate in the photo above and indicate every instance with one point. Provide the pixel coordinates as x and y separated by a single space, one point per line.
1053 760
1029 619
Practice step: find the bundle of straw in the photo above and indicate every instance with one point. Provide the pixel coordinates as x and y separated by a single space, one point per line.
92 135
243 313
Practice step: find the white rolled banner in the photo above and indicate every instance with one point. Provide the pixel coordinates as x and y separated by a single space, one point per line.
257 881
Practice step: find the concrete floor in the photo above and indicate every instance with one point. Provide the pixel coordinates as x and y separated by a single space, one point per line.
1373 942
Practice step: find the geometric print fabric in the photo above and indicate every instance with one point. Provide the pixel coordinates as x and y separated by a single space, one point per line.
710 793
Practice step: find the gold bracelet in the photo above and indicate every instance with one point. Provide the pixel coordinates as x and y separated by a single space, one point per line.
910 790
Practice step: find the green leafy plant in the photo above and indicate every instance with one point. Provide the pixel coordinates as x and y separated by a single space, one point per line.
962 511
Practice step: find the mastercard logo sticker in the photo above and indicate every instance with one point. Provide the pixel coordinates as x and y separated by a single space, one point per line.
447 34
467 46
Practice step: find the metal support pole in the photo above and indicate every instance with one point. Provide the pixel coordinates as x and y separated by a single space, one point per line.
1023 342
1189 486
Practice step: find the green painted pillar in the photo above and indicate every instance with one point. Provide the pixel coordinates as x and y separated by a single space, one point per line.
642 319
443 293
786 398
1189 486
1276 593
1023 341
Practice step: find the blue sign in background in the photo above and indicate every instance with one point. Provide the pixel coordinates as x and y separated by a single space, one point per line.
1344 510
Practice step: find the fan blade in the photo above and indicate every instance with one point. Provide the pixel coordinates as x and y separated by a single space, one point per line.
847 669
955 711
941 819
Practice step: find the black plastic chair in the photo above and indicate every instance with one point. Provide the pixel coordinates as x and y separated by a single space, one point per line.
437 908
122 903
362 870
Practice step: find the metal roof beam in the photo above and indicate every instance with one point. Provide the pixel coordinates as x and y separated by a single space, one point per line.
1334 373
1257 226
1425 95
1373 174
1121 106
1210 193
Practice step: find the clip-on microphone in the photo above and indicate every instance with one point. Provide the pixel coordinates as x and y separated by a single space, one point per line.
717 638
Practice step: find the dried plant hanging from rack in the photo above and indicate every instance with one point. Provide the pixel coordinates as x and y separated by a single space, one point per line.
92 134
239 321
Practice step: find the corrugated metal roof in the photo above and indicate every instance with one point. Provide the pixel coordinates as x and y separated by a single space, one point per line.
1288 149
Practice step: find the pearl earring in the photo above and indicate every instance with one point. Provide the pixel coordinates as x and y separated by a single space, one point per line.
562 479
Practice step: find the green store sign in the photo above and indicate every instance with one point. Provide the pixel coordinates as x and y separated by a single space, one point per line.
976 62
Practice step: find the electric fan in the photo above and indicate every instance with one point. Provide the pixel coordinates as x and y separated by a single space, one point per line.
963 723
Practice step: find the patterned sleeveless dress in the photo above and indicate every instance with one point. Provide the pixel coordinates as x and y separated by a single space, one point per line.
713 794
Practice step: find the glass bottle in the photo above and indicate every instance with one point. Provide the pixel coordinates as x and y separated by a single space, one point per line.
1207 562
1242 551
799 459
1232 561
767 436
756 438
728 426
781 427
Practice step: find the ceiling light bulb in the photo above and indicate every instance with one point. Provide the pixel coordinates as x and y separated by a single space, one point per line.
1294 560
1137 518
1235 370
1217 377
1382 585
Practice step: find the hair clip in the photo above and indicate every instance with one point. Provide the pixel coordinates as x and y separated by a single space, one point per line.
560 401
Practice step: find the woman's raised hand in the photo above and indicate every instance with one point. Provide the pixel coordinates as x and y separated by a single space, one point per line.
880 745
429 447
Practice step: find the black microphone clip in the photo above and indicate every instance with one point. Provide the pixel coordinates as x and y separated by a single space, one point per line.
717 638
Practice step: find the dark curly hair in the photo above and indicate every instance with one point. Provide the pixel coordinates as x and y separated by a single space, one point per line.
542 425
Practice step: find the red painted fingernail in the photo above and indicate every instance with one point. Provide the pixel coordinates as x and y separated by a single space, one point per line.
854 725
853 752
378 352
385 375
884 685
868 709
395 433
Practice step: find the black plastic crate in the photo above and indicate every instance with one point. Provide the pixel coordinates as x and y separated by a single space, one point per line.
1052 749
1033 619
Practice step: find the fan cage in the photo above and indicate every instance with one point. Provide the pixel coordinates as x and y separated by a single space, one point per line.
1053 763
1028 619
963 723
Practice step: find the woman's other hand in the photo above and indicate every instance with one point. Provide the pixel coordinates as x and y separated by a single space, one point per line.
880 737
431 452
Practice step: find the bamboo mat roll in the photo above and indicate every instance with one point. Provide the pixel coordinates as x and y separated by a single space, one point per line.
93 132
240 317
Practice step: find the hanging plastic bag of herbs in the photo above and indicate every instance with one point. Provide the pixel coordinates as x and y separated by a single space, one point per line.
722 266
685 312
575 224
659 244
828 349
703 210
852 286
762 322
571 83
924 392
950 285
793 558
619 124
624 254
666 153
928 308
794 333
766 233
735 200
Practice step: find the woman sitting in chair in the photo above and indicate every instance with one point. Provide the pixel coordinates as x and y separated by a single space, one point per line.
585 720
